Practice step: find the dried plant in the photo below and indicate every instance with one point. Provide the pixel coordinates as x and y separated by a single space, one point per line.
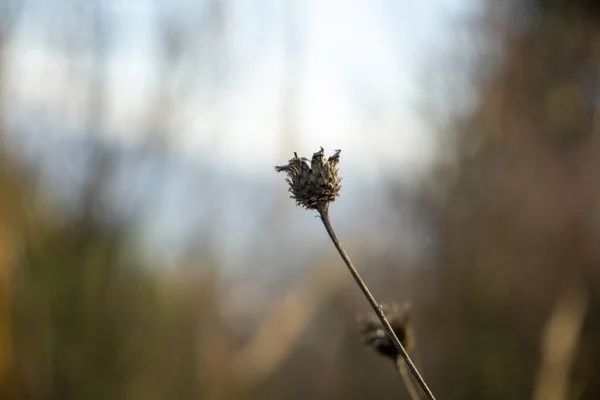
314 186
375 336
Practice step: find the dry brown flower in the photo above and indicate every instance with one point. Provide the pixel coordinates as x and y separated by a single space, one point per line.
375 336
316 185
313 187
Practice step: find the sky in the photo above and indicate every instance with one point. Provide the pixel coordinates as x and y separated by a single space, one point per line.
356 70
356 66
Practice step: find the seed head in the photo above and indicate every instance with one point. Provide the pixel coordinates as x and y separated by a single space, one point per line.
374 335
316 185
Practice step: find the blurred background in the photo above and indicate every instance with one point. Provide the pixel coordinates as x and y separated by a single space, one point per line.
148 250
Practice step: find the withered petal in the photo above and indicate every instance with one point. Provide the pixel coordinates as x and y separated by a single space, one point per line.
313 185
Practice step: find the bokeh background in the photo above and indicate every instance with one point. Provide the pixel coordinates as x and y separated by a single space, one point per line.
148 250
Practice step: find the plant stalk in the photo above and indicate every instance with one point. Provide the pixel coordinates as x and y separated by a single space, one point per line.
324 214
406 377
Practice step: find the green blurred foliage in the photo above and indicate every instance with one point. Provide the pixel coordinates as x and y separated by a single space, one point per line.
86 320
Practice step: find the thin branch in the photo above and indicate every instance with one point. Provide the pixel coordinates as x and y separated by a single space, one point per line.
274 340
374 305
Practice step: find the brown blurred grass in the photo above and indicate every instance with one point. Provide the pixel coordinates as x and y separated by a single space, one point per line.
82 316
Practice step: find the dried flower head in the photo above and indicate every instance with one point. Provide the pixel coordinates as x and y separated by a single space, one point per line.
374 334
316 185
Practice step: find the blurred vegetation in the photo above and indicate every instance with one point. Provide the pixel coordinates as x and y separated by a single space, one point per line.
513 209
84 319
517 223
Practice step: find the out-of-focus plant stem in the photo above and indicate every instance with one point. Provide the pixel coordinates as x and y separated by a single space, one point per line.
410 386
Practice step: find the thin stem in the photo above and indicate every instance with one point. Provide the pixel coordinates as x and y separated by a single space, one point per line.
410 386
374 305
